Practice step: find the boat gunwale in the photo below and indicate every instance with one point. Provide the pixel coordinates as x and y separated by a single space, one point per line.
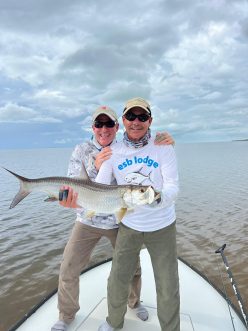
228 301
46 298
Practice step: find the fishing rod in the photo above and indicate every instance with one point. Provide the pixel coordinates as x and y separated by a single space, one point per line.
235 288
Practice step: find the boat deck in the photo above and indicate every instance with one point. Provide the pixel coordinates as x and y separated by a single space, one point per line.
202 307
98 315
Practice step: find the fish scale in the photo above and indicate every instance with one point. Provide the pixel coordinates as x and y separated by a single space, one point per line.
94 197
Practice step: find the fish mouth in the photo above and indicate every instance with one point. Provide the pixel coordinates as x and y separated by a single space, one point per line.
157 196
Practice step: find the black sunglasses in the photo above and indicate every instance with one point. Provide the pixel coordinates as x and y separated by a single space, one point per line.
141 117
100 124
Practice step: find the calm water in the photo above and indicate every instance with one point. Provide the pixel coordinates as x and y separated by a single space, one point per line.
212 209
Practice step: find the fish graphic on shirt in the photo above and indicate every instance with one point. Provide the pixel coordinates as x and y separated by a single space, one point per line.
137 178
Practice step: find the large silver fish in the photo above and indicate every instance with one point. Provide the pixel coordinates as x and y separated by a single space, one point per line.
95 198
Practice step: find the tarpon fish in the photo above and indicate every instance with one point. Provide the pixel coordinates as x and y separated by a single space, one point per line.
95 198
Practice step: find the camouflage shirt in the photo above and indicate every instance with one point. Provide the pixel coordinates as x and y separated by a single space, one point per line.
86 153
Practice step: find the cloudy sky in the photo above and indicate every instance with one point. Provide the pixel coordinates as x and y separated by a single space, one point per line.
60 59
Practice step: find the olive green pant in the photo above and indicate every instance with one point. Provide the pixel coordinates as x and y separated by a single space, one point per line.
76 256
161 246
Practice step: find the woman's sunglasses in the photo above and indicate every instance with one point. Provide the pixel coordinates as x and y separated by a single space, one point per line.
108 124
141 117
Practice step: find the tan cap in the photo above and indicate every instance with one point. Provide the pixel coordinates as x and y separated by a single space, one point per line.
137 102
106 111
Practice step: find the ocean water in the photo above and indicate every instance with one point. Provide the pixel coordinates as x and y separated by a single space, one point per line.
212 209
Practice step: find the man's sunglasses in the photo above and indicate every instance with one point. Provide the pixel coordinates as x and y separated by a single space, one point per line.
108 124
141 117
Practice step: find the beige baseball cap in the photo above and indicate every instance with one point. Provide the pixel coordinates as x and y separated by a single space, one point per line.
137 102
107 111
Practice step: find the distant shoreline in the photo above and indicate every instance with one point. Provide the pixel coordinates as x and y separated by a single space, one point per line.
241 139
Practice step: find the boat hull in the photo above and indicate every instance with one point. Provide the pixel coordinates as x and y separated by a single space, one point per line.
202 306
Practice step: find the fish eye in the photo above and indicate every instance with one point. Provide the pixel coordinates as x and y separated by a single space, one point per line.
142 190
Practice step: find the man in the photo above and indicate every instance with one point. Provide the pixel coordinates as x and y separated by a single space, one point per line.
151 225
88 231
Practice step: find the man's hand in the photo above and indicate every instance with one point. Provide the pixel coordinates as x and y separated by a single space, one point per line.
163 138
67 198
102 156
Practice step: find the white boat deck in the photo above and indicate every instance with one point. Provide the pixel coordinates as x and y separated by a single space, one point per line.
202 307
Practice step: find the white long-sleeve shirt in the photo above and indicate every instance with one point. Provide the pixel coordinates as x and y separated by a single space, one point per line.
85 153
149 165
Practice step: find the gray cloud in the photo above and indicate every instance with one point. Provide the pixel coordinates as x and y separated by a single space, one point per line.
13 113
61 59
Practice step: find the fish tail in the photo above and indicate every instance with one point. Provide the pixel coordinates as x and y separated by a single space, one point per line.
23 191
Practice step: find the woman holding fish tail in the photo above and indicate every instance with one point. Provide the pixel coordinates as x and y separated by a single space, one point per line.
151 225
87 231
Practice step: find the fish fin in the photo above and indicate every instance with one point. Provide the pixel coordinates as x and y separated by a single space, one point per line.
19 197
23 191
83 173
21 178
120 214
90 213
50 199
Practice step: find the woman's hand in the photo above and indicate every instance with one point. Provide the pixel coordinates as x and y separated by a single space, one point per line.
102 156
163 138
68 198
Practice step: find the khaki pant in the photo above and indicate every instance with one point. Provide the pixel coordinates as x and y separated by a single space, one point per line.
161 246
76 256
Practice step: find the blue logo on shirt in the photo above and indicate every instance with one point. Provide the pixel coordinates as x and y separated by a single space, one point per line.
138 160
